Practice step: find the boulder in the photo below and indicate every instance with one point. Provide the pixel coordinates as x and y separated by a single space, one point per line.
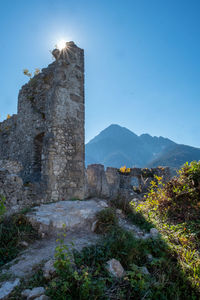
115 268
49 269
25 293
50 218
35 293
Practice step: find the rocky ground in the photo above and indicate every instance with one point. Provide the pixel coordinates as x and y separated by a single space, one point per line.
75 222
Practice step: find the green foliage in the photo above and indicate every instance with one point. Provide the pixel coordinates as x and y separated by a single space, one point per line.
175 261
119 244
36 280
179 199
138 281
121 203
174 208
137 218
191 172
2 205
13 230
106 219
86 277
166 280
71 283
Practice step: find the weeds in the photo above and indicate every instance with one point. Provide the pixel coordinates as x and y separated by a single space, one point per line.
174 208
106 219
13 230
2 206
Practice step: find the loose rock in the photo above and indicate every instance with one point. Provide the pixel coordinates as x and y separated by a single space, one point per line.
119 212
43 297
7 288
154 233
115 268
149 257
24 243
25 293
94 226
49 269
144 270
36 292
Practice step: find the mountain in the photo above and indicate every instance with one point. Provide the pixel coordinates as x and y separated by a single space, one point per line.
116 146
176 156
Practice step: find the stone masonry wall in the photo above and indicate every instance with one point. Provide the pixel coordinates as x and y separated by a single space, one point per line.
111 184
42 149
17 194
47 135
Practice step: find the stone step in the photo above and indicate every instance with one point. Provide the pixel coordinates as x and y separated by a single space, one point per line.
65 215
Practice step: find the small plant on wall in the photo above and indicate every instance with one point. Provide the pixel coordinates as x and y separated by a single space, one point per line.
27 73
124 170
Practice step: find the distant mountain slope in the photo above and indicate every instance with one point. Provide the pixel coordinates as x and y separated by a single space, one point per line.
116 146
176 156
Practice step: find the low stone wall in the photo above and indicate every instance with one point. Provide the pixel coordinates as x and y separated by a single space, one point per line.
110 183
100 183
17 194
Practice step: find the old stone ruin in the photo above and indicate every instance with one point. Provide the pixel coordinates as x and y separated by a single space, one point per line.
42 165
42 147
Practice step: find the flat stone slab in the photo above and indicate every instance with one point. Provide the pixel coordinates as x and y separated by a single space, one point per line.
43 250
72 215
7 288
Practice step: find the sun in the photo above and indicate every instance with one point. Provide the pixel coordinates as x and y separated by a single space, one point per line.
61 44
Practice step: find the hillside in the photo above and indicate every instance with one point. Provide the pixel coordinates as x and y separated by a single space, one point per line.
176 156
116 146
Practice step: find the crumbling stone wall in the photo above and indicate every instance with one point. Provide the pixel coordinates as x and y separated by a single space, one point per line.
17 194
100 183
110 183
42 147
47 135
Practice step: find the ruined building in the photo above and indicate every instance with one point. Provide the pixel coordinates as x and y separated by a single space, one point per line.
46 137
42 147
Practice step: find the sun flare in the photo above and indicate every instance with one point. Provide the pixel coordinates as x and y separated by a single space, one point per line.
61 44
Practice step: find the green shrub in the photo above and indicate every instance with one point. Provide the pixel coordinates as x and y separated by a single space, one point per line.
106 219
179 199
13 230
2 205
174 208
71 283
123 204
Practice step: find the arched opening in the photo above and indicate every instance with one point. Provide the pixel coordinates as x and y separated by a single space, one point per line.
37 159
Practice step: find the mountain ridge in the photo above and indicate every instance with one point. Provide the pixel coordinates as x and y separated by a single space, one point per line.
116 146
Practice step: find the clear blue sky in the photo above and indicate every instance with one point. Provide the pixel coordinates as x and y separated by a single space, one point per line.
142 59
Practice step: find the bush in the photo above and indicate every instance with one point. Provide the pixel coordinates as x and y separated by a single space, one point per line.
106 219
13 230
71 283
179 199
174 208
